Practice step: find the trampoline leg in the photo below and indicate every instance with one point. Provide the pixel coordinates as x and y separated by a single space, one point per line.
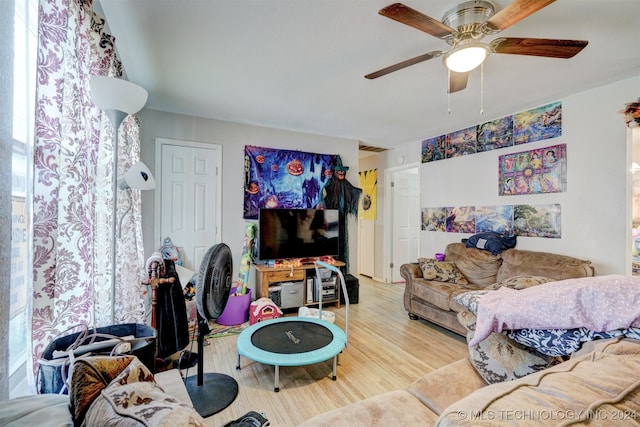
276 387
238 365
335 368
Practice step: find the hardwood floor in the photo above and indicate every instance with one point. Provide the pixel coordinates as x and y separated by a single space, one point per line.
386 351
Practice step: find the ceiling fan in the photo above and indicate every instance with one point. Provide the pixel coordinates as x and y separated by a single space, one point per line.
464 26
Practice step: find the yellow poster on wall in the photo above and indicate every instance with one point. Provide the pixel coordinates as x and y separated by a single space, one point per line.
368 181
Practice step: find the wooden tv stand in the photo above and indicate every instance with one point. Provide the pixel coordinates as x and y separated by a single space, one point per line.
266 276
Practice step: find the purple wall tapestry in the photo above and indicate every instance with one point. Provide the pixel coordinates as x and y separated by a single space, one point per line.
276 178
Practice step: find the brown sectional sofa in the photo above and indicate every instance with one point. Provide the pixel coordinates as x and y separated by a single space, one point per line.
433 300
598 386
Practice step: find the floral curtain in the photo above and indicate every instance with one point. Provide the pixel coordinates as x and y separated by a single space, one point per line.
73 176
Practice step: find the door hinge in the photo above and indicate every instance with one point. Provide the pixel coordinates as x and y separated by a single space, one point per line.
391 265
392 184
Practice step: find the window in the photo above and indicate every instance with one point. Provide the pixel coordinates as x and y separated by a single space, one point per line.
24 66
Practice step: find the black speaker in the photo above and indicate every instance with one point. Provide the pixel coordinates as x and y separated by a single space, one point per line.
353 285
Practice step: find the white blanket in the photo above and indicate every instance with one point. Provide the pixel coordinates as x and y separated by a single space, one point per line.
601 303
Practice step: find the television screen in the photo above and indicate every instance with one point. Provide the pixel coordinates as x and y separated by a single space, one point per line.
297 233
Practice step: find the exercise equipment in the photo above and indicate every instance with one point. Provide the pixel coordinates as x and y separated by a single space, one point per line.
296 341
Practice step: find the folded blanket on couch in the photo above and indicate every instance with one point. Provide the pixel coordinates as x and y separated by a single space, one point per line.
598 304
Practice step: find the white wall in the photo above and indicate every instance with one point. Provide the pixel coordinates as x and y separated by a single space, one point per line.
233 137
594 206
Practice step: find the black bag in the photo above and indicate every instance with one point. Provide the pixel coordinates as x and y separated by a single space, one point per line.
492 241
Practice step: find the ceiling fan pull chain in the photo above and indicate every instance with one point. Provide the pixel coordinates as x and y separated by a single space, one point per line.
481 89
448 91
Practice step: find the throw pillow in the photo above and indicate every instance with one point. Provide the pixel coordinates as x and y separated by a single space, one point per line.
93 374
499 359
441 271
469 300
521 282
140 404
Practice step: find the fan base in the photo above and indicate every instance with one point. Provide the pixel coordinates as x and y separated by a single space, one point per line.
216 393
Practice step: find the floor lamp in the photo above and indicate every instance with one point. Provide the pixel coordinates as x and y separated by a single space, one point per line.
117 98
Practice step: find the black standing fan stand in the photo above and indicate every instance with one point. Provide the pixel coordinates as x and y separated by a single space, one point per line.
211 392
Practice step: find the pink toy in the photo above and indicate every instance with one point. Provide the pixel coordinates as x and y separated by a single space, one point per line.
263 309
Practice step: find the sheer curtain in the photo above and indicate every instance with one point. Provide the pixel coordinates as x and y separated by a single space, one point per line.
72 194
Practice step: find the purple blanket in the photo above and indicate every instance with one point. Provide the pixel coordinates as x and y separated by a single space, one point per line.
601 303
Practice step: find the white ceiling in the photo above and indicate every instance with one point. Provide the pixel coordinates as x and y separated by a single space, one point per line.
300 64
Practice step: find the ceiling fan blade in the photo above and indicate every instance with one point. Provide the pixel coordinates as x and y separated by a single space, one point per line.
551 48
404 14
403 64
515 12
457 81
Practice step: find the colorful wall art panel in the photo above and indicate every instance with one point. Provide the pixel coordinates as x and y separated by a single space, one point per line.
495 134
283 178
543 170
462 142
537 220
540 123
368 181
433 219
521 220
494 218
527 126
461 219
434 149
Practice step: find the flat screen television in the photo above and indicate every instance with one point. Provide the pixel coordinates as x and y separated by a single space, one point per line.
298 233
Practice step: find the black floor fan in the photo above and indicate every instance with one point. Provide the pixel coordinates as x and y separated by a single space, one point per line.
211 392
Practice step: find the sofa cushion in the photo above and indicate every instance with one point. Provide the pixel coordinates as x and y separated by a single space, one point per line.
440 388
441 271
478 266
435 293
602 385
394 408
498 358
517 262
41 410
520 282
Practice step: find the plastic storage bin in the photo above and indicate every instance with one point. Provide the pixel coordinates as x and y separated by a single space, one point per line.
292 294
236 312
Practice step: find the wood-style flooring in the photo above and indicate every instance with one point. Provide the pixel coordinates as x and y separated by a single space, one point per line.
386 351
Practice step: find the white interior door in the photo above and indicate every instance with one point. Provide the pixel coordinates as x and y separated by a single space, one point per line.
366 249
405 214
189 206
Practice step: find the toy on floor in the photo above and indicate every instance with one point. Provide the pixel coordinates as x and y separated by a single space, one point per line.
263 309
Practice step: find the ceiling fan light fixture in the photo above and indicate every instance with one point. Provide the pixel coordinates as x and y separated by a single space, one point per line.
466 58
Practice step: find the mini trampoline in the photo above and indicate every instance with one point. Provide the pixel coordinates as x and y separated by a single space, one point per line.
295 341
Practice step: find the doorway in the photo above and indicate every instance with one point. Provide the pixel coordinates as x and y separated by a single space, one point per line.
188 207
366 247
403 219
